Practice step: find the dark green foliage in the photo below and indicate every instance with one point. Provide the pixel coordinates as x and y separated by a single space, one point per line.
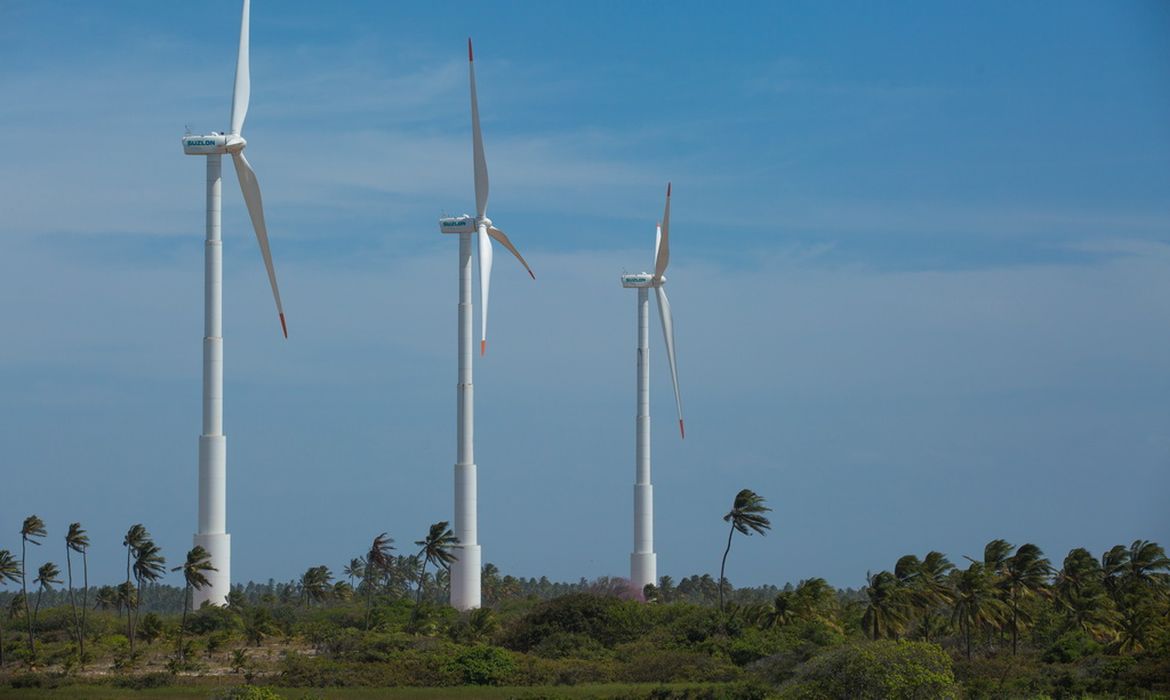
882 670
485 665
604 620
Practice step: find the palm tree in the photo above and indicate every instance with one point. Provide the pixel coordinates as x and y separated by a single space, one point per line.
931 587
1147 567
886 610
149 566
1025 573
374 568
746 516
436 549
1080 592
46 577
315 584
135 537
975 604
77 541
355 569
1135 577
995 555
106 598
10 570
32 529
194 578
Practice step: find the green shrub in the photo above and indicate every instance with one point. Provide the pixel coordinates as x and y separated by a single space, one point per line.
604 619
1070 647
484 665
642 663
876 670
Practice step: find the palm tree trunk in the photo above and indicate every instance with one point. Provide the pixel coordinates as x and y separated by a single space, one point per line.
1015 621
967 627
369 601
24 591
422 577
84 606
723 566
183 624
72 601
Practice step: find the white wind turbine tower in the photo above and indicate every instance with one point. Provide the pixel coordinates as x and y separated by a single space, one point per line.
465 571
212 534
643 560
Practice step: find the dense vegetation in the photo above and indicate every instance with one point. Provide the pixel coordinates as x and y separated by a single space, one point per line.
1011 624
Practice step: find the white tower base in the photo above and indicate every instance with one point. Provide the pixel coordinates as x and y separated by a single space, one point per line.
643 561
465 571
220 548
212 533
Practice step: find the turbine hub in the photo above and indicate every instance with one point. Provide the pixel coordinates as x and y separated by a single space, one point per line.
235 143
485 222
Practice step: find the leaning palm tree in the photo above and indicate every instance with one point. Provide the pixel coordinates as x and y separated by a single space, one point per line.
975 604
10 570
46 577
135 537
746 516
932 588
374 568
149 566
887 606
1080 593
355 569
32 530
77 541
436 549
194 578
1025 573
315 584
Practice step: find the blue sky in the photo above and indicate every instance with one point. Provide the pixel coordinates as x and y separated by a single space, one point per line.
920 277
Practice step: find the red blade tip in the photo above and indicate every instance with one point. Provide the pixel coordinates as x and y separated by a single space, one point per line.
668 189
283 327
482 347
470 57
530 274
681 429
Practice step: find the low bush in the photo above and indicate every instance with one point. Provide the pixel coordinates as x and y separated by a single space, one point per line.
877 670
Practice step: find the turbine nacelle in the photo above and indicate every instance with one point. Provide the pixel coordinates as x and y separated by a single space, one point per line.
207 145
641 280
457 224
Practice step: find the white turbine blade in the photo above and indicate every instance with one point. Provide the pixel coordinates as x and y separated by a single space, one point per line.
251 189
503 239
243 91
657 240
481 173
485 283
662 254
668 333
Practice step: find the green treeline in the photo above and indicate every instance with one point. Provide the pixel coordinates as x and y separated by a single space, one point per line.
1012 623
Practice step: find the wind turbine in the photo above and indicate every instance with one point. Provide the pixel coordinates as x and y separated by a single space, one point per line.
212 534
465 571
643 560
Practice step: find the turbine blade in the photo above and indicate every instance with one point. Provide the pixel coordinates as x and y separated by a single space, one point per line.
243 90
657 241
662 255
485 283
503 239
668 333
251 189
481 173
